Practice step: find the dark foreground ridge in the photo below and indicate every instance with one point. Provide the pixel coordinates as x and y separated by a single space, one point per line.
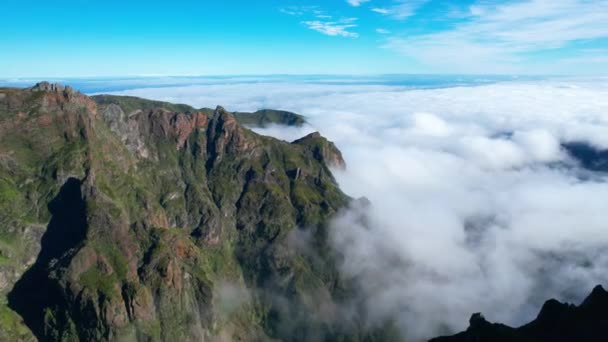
556 322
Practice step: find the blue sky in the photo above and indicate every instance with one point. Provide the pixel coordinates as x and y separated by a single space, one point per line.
229 37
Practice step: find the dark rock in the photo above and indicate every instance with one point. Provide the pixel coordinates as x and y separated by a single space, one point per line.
556 322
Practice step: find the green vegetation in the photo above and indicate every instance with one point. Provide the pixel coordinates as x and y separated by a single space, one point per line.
12 327
165 234
130 104
94 280
260 118
265 117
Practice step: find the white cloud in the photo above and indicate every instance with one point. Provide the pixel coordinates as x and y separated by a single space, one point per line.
400 9
357 3
300 10
293 10
333 28
381 10
496 37
469 211
382 31
405 8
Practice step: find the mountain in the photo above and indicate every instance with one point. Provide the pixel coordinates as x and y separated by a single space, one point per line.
266 117
556 322
260 118
126 219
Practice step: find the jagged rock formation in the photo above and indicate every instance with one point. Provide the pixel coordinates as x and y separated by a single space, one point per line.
140 221
556 322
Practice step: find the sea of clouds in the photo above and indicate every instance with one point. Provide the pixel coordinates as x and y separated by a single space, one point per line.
475 206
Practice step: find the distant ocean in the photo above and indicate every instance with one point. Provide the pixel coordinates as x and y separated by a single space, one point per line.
95 85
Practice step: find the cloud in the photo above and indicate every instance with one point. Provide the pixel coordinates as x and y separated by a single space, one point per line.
333 28
356 3
499 37
300 10
292 10
400 9
405 8
383 31
381 10
474 205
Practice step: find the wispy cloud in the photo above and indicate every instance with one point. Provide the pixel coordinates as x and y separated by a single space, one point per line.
404 9
400 9
381 10
334 28
497 37
356 3
295 10
383 31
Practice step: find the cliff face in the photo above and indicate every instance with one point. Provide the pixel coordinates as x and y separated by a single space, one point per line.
146 223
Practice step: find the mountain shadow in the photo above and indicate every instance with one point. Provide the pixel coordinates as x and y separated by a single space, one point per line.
67 228
589 157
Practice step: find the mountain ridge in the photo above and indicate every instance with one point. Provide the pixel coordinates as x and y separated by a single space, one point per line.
135 224
556 322
259 119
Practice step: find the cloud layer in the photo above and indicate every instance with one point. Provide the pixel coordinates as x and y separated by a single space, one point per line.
474 205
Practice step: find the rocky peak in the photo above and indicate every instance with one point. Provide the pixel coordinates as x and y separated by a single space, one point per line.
53 88
597 300
477 320
312 135
223 120
225 135
58 98
323 149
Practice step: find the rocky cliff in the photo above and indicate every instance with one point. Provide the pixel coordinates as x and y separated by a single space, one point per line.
131 220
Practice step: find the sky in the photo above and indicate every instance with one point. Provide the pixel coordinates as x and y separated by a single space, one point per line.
236 37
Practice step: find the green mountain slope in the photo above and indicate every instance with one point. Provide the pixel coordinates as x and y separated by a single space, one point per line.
265 117
260 118
134 220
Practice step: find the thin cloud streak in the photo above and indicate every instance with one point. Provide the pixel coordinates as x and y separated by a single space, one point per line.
400 9
334 28
356 3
